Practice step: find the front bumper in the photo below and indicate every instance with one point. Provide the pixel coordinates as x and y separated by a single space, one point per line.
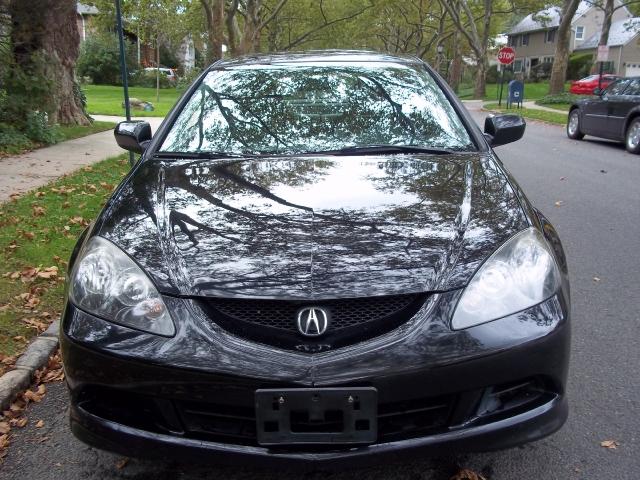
423 365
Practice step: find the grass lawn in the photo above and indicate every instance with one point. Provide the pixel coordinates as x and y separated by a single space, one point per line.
532 91
37 233
77 131
559 118
562 107
64 132
107 100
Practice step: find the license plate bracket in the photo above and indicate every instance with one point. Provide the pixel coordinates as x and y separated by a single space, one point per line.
316 416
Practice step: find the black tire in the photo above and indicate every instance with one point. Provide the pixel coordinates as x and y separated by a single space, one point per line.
573 125
632 136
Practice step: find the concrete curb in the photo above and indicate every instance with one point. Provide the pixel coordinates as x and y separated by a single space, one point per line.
37 355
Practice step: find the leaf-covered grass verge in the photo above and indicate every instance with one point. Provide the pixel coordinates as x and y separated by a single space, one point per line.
107 100
37 233
21 143
532 113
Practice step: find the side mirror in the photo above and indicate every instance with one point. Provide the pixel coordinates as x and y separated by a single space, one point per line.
598 91
134 136
502 129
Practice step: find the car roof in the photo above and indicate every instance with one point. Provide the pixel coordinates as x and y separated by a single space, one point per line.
318 56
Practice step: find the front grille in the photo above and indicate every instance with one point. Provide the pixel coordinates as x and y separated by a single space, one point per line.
274 321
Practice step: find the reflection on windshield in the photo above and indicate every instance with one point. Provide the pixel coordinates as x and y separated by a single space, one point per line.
303 108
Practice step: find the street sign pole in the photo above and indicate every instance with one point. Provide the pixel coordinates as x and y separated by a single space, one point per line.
502 69
603 56
123 69
506 56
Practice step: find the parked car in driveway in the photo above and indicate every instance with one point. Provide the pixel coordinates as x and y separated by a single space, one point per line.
169 73
319 260
613 114
588 85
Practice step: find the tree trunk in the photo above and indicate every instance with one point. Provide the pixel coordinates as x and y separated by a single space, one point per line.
214 15
606 23
456 65
250 42
480 86
563 45
45 38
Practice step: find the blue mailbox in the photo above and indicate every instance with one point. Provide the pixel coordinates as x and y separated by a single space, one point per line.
515 93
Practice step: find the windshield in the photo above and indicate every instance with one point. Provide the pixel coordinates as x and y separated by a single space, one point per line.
298 108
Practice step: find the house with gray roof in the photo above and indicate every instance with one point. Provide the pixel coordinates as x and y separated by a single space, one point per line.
624 47
534 37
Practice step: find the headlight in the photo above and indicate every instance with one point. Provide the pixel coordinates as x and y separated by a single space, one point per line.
519 275
107 283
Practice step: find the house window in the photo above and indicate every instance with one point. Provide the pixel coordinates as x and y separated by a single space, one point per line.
580 33
525 39
550 36
547 60
513 41
517 66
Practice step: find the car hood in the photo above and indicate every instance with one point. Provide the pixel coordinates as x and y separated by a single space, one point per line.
313 228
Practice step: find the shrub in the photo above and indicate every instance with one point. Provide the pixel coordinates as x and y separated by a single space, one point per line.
560 98
493 75
187 79
579 66
37 128
13 141
143 78
542 71
99 59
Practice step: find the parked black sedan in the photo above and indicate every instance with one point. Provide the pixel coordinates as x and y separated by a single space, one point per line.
613 113
317 259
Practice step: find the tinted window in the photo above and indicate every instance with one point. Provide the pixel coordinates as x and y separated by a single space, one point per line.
633 88
297 108
617 88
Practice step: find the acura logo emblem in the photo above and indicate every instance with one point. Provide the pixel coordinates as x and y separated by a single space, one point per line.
312 321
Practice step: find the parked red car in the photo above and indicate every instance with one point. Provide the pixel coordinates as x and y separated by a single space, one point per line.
587 85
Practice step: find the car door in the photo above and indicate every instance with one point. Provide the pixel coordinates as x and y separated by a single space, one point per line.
620 108
596 112
619 102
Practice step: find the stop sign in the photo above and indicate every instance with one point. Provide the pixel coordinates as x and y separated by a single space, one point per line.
506 55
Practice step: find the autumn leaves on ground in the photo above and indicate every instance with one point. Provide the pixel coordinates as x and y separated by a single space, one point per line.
37 233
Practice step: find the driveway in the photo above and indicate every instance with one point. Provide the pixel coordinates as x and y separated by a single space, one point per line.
590 191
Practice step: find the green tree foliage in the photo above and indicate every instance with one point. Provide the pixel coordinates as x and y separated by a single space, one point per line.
100 59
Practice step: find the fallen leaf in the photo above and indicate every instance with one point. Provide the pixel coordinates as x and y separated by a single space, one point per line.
610 444
466 474
4 427
4 441
38 211
18 422
32 396
559 203
40 194
122 463
40 424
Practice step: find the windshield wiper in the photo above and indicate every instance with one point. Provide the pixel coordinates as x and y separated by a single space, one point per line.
197 155
384 148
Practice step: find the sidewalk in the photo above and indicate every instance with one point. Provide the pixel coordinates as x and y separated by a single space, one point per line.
31 170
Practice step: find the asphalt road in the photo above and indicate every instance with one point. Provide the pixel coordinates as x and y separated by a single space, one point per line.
598 184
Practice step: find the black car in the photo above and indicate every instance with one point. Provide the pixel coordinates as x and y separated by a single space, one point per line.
317 259
614 114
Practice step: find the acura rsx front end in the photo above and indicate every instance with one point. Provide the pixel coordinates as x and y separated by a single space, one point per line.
318 258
